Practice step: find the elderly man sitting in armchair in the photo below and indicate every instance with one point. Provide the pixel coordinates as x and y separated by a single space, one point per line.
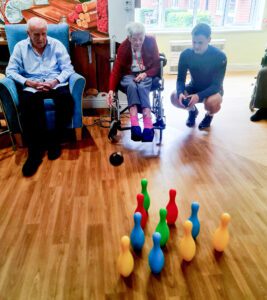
41 66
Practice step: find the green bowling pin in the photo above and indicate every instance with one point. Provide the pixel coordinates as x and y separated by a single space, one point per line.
163 227
145 193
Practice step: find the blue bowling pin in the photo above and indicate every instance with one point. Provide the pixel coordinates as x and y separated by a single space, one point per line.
137 235
194 219
156 256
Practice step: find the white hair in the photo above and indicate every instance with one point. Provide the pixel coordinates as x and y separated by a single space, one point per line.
36 21
134 28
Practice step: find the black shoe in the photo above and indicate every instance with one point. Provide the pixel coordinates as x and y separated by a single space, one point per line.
191 121
260 114
136 133
54 152
148 135
31 165
205 123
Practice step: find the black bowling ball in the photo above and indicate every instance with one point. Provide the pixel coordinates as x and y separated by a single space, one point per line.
116 159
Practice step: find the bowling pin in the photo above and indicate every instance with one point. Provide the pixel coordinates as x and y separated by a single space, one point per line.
145 193
172 209
187 246
125 263
194 219
221 235
137 235
156 256
140 208
163 227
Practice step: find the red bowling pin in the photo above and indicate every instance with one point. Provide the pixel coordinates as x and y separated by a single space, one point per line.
140 208
172 209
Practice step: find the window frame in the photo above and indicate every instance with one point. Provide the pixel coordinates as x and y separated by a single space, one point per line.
254 24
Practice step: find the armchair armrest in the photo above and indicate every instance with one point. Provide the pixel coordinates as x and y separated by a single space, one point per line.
77 84
10 101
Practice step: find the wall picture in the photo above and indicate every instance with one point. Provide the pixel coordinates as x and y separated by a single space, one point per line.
91 15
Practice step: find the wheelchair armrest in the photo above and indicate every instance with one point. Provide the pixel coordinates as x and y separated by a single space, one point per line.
163 62
162 58
76 85
10 101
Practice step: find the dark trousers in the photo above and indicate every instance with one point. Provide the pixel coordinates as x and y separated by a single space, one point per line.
33 115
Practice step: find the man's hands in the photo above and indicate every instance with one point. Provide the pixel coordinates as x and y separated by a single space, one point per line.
42 86
193 100
140 77
180 99
49 85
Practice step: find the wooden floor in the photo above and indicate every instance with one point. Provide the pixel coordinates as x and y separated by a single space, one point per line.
60 230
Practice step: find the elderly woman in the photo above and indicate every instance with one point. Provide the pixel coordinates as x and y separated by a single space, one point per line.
136 63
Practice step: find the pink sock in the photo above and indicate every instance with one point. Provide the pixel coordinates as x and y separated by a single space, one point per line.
148 122
134 121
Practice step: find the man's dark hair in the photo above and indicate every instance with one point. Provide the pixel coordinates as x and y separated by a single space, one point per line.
202 29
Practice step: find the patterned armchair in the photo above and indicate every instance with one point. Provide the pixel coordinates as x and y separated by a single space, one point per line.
8 90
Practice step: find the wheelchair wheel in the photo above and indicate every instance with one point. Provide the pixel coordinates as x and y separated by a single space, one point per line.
157 105
113 130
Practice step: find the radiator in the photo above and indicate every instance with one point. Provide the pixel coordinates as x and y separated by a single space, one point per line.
177 46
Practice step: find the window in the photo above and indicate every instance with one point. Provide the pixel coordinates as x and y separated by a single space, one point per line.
184 14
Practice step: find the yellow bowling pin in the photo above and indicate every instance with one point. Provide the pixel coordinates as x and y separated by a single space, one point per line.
125 262
187 245
221 235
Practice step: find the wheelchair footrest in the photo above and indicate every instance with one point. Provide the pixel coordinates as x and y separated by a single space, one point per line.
159 124
113 129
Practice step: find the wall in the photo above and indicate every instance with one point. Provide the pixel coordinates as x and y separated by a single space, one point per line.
120 12
244 49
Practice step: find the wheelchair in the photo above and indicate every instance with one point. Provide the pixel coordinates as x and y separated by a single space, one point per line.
157 110
254 93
